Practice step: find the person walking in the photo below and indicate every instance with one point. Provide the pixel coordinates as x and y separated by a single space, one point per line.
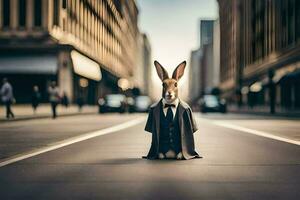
54 97
36 97
65 100
7 97
80 103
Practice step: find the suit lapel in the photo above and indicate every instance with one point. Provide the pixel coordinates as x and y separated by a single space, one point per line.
157 116
181 127
180 113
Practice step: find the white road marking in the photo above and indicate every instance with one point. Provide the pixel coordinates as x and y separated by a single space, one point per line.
255 132
72 140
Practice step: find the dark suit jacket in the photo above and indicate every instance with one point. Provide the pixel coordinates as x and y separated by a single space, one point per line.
187 126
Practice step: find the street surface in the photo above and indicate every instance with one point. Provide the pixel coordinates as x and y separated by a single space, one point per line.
108 165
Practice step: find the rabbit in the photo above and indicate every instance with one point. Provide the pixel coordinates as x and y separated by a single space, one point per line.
170 85
171 120
170 95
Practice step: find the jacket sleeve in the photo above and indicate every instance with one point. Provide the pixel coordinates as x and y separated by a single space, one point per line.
192 120
149 124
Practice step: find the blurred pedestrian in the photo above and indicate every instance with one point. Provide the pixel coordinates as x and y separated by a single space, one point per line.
65 100
80 103
36 97
7 97
54 97
272 91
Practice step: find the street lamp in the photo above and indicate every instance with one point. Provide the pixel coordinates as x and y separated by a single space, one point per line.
123 84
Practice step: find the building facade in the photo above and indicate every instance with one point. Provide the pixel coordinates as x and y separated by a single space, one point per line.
206 32
204 61
143 72
75 42
216 54
194 74
228 17
265 39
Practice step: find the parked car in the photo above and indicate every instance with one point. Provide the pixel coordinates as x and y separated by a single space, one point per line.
130 104
211 103
141 104
112 103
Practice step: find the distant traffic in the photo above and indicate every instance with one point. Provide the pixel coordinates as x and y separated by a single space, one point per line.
122 104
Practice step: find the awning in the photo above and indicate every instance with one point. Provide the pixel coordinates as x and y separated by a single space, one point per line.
294 76
85 67
33 64
256 87
285 72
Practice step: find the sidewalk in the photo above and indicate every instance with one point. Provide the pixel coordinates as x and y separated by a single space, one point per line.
263 110
24 112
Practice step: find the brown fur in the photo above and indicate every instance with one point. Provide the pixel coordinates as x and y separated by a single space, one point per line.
170 85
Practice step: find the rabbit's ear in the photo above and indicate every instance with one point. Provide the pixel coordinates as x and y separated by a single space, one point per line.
178 72
161 72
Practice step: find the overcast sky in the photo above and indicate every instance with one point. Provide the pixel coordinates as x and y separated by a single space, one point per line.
173 27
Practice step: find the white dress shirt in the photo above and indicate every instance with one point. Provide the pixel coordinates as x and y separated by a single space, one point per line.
173 108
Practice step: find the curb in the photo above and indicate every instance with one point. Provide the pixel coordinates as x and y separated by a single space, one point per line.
25 118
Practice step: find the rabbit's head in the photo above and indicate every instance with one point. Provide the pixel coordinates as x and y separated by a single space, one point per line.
170 86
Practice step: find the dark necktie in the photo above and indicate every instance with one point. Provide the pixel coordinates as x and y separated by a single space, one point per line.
169 115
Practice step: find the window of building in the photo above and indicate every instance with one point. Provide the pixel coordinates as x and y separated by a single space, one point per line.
37 12
6 13
22 13
291 21
297 8
55 12
64 24
64 4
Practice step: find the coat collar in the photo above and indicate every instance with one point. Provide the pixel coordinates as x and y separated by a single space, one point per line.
182 106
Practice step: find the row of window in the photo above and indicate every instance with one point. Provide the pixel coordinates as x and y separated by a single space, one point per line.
228 42
274 26
98 27
7 8
85 23
263 27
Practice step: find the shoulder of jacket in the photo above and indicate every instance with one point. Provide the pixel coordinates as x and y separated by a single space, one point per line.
154 105
185 105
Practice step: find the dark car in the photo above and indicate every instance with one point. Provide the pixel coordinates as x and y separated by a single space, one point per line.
112 103
130 104
141 104
211 103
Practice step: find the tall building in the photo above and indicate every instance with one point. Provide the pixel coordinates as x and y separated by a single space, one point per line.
194 74
260 52
75 42
147 65
216 54
204 61
206 32
229 51
144 69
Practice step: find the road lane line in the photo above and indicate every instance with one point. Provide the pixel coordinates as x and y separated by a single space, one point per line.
72 140
255 132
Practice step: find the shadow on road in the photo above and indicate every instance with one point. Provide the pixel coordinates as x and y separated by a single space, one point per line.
122 161
133 161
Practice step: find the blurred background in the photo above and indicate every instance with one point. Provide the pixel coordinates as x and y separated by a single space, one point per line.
243 55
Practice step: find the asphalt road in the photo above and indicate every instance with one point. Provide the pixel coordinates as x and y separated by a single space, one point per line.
236 164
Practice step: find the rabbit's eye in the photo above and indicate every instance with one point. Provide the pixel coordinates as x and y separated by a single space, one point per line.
164 84
175 84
